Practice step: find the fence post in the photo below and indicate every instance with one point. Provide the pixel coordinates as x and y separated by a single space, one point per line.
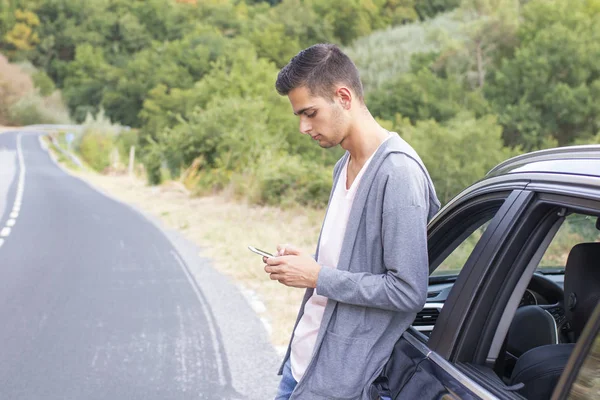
131 160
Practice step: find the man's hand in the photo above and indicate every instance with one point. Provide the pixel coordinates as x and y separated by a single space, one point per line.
292 267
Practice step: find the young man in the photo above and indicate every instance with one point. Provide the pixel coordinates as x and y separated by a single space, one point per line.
369 277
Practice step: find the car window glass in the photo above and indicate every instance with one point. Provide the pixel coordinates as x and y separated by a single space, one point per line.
577 228
587 383
455 261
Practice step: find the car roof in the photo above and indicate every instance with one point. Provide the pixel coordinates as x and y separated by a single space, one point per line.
573 170
570 160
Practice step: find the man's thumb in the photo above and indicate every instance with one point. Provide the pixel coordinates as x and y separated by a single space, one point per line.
287 250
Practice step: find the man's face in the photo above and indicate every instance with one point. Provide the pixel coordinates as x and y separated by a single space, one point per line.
320 118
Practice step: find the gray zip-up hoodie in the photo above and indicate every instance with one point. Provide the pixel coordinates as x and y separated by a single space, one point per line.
380 282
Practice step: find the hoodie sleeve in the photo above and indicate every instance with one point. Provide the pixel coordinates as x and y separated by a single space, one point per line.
403 287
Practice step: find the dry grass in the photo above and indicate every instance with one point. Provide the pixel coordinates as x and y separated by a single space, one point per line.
4 129
14 85
224 228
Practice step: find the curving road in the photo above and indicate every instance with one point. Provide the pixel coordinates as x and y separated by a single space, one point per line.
96 302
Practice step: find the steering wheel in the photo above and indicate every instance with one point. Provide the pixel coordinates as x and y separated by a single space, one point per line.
555 296
514 346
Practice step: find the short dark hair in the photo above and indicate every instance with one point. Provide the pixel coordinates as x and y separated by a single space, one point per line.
319 68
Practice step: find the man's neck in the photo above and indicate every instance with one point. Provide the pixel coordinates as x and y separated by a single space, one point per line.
364 139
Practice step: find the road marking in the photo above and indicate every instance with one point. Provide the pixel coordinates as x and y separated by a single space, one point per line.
207 313
19 196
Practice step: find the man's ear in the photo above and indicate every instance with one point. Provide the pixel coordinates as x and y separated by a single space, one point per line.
345 97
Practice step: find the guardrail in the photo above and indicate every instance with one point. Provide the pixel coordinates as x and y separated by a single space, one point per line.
67 153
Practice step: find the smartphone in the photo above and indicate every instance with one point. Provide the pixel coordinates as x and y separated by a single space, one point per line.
261 252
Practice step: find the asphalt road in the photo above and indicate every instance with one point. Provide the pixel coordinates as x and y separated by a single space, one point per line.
98 302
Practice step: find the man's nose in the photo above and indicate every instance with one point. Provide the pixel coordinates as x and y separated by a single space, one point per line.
305 127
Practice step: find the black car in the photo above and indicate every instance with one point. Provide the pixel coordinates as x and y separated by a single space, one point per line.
514 286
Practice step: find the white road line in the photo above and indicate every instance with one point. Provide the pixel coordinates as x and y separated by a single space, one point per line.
19 196
21 162
213 331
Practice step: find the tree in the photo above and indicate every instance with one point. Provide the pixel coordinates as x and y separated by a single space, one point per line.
124 97
488 33
281 31
458 152
349 18
396 12
550 89
424 95
22 36
430 8
86 81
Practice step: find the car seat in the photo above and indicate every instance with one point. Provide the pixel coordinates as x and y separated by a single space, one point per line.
539 368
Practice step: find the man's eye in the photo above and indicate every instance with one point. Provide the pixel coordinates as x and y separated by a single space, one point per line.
311 115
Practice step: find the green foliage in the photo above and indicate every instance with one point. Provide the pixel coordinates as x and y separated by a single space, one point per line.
22 35
430 8
292 180
86 81
195 81
349 18
123 100
488 30
34 109
95 148
458 152
125 140
153 164
383 55
43 83
282 31
424 95
551 88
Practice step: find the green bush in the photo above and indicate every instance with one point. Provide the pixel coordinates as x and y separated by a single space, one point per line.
457 152
153 165
292 180
95 148
43 82
33 109
124 140
384 54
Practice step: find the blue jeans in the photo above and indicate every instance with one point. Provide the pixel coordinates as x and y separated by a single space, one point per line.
287 384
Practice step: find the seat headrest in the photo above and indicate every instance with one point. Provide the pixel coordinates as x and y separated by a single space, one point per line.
582 284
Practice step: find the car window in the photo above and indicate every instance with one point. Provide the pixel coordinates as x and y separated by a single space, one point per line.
577 228
455 261
587 383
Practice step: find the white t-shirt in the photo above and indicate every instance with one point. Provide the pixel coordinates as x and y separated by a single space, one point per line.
330 246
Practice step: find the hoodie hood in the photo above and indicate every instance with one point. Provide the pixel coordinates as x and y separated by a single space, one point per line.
395 144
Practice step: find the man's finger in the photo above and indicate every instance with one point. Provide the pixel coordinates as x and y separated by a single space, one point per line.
275 260
273 269
276 277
